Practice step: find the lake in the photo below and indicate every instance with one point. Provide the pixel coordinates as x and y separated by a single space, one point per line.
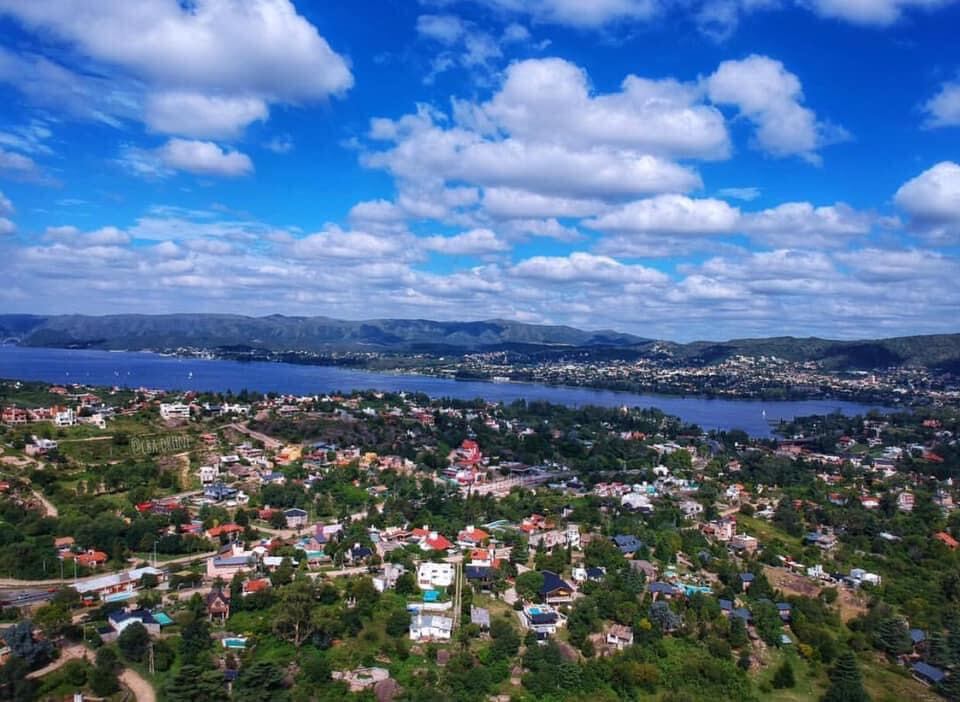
138 369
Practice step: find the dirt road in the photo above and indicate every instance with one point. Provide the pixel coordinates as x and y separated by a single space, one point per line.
141 689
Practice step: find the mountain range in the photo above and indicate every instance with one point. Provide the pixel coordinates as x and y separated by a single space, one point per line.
278 333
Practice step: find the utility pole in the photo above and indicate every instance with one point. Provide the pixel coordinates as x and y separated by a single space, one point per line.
152 668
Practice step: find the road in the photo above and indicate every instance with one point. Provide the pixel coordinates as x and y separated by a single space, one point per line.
141 689
12 583
67 654
268 441
49 508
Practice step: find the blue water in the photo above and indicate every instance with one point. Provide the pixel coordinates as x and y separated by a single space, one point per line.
136 369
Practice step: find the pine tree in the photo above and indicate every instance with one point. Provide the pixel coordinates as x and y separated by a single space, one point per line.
893 636
846 684
784 676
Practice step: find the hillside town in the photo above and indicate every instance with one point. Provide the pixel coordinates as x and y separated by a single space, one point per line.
209 546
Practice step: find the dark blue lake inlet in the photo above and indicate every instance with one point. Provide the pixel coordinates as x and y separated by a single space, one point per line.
135 369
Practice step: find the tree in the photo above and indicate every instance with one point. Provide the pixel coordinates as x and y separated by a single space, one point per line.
193 683
893 636
846 684
398 623
738 632
22 644
283 575
529 584
261 682
14 683
506 641
294 620
406 584
664 617
52 619
134 641
195 638
784 677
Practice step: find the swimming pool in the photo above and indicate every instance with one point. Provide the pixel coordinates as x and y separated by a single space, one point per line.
162 618
235 642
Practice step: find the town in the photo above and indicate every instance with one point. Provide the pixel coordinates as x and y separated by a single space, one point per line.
374 545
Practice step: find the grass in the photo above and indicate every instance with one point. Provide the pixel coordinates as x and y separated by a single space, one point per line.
888 683
765 531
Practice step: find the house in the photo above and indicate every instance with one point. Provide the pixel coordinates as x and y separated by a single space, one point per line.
555 589
471 537
388 576
434 541
927 674
648 569
691 508
480 617
252 587
434 575
218 605
664 590
627 543
228 564
116 586
65 418
296 518
174 410
360 553
87 559
947 540
784 610
744 543
542 620
905 501
594 574
746 580
121 619
209 474
228 530
430 627
481 576
219 492
619 636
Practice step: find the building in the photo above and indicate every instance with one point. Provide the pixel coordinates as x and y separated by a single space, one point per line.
627 543
430 627
121 619
209 474
744 543
174 410
434 575
229 562
296 518
555 590
542 620
471 537
116 586
218 605
480 617
65 418
619 636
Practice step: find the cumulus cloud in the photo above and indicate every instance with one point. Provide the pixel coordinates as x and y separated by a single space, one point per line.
943 109
670 214
476 242
577 13
510 202
6 206
198 157
446 29
771 97
7 227
202 116
876 13
336 243
205 69
803 224
932 200
105 236
551 98
580 267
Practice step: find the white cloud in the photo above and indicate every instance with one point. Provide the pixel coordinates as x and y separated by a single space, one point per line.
202 116
7 227
337 243
204 69
446 29
510 202
18 165
105 236
803 224
580 267
204 158
943 109
6 207
932 199
886 265
476 242
551 99
771 97
280 144
581 14
515 33
877 13
670 214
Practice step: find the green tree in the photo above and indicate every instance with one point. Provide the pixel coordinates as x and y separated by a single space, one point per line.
784 677
846 685
893 636
260 682
529 584
193 683
134 641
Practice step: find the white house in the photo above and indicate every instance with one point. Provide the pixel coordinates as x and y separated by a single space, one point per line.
619 636
66 418
691 508
209 474
430 627
174 410
434 575
636 501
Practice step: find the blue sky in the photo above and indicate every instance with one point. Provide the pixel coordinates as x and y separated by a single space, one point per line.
705 169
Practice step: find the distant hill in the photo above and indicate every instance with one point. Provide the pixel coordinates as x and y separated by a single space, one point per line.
323 334
280 333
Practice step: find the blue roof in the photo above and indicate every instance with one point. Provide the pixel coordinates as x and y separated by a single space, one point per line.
659 587
232 561
931 673
360 552
746 577
627 543
595 573
477 572
295 512
743 613
553 582
918 636
142 614
783 606
726 605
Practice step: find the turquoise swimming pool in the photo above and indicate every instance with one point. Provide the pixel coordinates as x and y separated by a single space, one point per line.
162 618
235 642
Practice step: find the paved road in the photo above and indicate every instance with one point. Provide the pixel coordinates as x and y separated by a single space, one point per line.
13 583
